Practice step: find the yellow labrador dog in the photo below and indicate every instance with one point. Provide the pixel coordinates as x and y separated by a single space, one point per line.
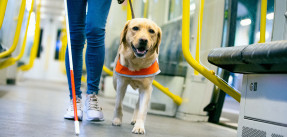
136 66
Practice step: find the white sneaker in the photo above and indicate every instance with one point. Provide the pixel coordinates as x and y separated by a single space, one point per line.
93 111
70 111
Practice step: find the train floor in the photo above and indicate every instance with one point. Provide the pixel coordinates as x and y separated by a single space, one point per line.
34 108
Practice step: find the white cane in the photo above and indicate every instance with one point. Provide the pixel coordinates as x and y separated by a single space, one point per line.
77 126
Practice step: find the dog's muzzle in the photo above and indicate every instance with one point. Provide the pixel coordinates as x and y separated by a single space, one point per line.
140 52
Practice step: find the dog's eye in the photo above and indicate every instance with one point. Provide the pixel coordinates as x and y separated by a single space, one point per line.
151 31
135 28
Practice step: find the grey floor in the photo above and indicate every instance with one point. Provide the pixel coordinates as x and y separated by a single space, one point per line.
230 112
35 109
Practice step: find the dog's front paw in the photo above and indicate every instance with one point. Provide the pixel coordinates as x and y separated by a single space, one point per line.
117 122
139 128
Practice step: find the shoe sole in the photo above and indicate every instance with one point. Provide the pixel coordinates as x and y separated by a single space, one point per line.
95 119
72 118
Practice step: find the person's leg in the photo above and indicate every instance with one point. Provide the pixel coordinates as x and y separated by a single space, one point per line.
95 31
77 19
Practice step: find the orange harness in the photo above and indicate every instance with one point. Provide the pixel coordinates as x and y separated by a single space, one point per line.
146 72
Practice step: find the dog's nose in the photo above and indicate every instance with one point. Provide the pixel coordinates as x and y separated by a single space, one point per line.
143 41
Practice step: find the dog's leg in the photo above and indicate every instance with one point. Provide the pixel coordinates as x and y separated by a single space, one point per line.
136 110
121 91
144 98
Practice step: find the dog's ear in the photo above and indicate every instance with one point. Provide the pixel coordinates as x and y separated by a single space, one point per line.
124 32
158 41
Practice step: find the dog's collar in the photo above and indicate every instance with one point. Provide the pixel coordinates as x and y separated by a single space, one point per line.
146 72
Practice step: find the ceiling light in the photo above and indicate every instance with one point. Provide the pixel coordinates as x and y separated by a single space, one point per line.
192 7
270 16
245 22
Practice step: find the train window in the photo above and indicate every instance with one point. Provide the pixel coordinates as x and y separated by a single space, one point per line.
40 49
248 21
144 9
157 11
58 45
175 9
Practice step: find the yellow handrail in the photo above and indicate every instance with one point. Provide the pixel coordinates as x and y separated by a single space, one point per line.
35 46
3 4
198 38
12 61
263 21
17 32
209 74
177 99
108 71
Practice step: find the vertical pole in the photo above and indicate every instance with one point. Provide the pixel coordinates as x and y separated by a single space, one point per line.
185 23
146 4
263 21
199 30
214 115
